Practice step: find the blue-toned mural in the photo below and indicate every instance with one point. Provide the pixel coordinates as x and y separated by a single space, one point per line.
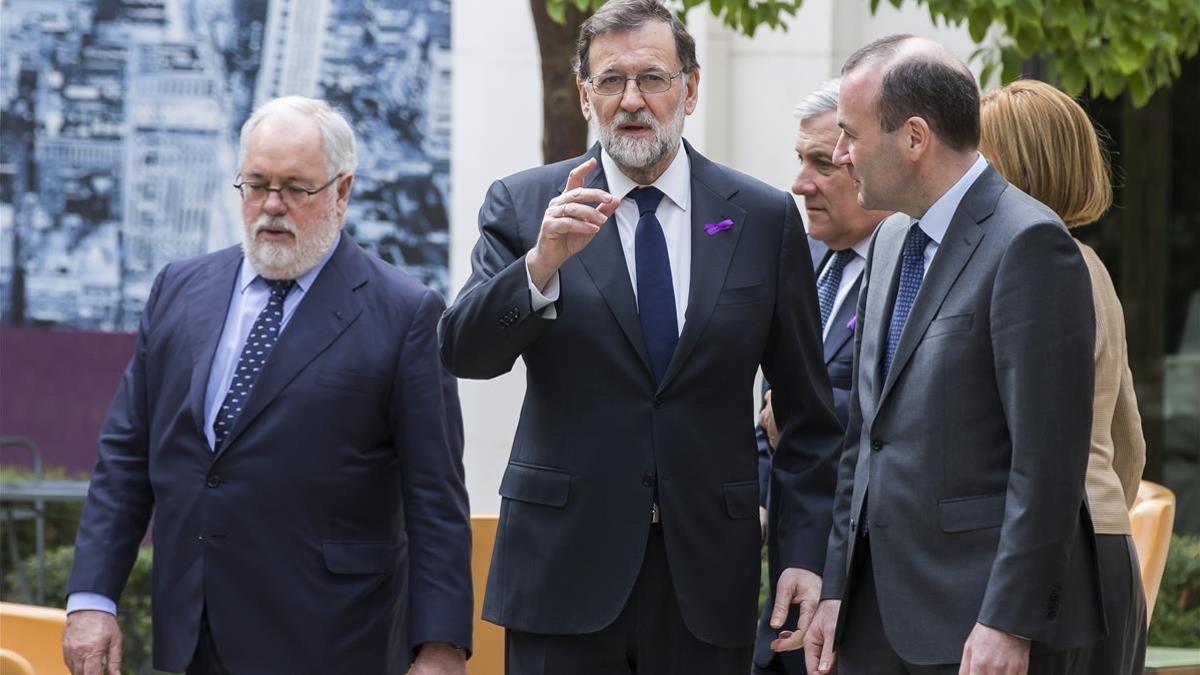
118 136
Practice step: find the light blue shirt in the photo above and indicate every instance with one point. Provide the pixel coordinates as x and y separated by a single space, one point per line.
250 296
937 217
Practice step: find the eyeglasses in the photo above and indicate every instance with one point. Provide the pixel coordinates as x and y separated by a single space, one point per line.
295 196
653 82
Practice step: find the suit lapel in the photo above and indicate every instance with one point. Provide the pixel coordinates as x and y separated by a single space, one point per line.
840 332
884 268
711 254
604 261
207 307
962 238
329 307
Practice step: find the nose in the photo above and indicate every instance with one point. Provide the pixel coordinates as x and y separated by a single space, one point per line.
804 185
631 98
841 151
274 204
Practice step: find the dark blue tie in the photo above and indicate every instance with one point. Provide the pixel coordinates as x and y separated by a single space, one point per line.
827 287
912 272
263 336
655 291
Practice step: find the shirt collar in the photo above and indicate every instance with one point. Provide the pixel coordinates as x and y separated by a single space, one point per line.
863 247
937 218
675 182
248 274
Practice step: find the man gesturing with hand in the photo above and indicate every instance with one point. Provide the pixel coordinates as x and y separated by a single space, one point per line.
643 286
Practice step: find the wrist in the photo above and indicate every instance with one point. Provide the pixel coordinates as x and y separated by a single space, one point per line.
540 271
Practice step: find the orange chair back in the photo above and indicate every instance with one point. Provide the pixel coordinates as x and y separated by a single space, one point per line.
488 655
12 663
35 633
1152 517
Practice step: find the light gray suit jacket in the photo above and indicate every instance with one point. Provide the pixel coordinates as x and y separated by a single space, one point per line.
975 446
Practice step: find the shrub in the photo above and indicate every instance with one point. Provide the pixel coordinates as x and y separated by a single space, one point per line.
1176 620
134 613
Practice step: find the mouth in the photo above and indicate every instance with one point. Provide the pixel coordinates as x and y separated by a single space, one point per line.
635 129
274 233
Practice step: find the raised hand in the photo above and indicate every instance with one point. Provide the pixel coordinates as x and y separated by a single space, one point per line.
569 224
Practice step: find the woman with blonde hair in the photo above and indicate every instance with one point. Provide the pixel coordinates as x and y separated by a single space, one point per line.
1043 142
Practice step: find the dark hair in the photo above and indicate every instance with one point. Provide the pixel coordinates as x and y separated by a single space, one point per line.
882 49
941 92
622 16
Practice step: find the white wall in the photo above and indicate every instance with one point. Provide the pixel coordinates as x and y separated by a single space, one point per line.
748 89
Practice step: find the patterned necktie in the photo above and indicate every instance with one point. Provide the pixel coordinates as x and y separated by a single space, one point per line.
827 287
263 336
912 272
655 291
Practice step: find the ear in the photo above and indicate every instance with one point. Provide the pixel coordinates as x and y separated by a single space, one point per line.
584 104
343 194
916 138
691 90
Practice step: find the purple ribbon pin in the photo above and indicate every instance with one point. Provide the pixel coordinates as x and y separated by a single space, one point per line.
713 228
852 323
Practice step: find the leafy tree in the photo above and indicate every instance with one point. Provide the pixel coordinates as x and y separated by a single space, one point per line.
1106 47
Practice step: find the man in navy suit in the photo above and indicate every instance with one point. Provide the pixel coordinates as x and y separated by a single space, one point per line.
286 419
643 285
839 231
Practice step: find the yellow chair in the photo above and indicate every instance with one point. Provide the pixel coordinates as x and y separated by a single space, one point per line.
12 663
1152 517
35 633
488 655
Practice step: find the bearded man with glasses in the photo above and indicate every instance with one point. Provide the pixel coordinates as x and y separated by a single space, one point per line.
288 422
644 285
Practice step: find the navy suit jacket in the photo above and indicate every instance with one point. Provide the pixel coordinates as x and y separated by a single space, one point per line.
331 531
839 362
596 433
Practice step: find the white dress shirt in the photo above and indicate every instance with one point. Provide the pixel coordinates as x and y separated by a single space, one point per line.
937 217
675 216
850 274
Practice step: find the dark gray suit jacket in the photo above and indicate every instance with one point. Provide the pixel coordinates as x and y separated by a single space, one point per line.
331 531
974 448
595 429
839 363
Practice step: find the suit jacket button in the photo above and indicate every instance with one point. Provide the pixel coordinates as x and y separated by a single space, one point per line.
214 480
876 444
658 401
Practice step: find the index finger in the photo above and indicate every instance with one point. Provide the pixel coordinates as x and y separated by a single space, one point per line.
575 178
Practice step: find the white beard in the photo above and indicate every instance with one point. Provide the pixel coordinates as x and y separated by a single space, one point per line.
280 260
637 153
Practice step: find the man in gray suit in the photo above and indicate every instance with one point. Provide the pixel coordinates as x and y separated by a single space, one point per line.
839 231
643 285
961 541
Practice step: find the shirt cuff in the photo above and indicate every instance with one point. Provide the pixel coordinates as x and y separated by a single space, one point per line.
84 600
539 300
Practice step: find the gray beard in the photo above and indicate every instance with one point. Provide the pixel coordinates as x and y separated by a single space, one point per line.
274 260
637 156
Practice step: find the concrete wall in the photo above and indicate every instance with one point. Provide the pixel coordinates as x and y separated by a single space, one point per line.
748 89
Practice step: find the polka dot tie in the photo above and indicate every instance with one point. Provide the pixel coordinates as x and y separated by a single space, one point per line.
827 287
912 272
263 336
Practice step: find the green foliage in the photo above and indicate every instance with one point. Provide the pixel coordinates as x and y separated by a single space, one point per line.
134 613
62 519
1104 46
744 16
1176 620
1107 47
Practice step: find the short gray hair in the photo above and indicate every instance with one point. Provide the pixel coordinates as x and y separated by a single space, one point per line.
622 16
819 101
337 138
